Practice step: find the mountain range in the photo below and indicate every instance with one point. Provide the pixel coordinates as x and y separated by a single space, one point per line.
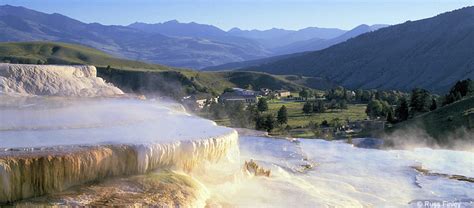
432 53
298 48
274 38
172 43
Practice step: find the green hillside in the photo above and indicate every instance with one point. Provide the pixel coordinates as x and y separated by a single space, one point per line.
443 122
63 53
139 77
431 53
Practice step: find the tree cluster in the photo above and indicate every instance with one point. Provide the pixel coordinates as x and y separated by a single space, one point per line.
239 114
378 108
248 116
319 106
461 89
306 94
364 96
267 121
421 101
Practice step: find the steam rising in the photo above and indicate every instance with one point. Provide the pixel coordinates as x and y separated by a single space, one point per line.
43 122
413 137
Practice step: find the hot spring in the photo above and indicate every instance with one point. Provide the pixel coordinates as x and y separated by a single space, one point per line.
67 138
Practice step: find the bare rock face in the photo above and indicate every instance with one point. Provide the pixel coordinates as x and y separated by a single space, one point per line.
53 80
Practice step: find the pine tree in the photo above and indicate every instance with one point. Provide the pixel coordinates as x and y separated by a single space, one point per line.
434 105
259 122
262 105
319 107
342 104
307 108
269 122
390 117
282 116
420 101
374 109
304 94
402 110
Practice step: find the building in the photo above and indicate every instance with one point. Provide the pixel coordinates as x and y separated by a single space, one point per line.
239 95
283 93
265 91
196 102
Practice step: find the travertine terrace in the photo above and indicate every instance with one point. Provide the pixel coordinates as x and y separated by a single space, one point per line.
62 126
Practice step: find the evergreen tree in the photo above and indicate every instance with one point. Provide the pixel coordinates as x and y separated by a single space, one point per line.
390 117
217 110
333 104
237 115
282 116
420 101
307 108
260 122
345 96
434 105
342 104
402 110
269 122
374 109
304 94
324 124
262 104
459 90
319 107
252 112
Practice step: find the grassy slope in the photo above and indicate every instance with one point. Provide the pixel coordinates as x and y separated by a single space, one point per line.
443 121
136 75
62 53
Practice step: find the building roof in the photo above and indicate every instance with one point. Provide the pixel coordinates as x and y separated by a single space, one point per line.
237 95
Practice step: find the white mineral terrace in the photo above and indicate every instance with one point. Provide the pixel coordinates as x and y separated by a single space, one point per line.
50 143
78 81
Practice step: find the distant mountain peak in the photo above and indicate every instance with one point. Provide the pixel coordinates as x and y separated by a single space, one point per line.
10 8
234 29
172 22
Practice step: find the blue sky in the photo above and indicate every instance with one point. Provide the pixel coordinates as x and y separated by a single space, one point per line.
247 14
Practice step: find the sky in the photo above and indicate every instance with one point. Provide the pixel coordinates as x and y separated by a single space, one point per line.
247 14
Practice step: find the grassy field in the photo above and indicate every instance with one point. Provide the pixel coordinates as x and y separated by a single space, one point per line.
296 117
299 121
